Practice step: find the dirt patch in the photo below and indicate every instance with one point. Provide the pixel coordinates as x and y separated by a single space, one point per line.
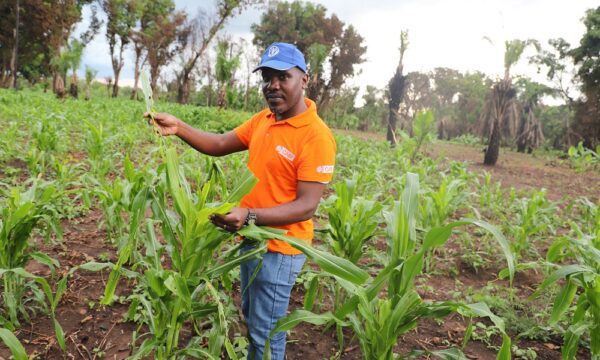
514 169
525 172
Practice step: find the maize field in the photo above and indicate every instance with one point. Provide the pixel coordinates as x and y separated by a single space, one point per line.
106 250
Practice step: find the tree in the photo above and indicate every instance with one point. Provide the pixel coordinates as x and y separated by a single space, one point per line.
501 113
90 74
14 61
60 65
203 29
341 113
251 58
396 92
122 16
562 73
586 56
306 24
228 60
44 29
161 30
418 95
68 58
583 73
66 14
75 54
456 99
138 49
372 114
529 133
471 99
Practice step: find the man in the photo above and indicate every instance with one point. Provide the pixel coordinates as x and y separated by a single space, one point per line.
292 153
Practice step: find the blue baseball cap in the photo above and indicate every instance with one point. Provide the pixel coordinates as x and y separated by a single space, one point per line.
282 56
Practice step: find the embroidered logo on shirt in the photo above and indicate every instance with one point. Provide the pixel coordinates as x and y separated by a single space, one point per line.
325 169
285 153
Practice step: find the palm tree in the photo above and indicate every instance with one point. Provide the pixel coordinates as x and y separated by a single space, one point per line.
75 55
227 64
90 74
530 135
501 113
397 87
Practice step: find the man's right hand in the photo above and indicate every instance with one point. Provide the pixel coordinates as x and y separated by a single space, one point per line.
205 142
166 123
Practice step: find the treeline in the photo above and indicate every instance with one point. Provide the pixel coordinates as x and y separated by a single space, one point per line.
193 61
159 35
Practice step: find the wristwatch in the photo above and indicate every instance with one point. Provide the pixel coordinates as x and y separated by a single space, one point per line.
251 218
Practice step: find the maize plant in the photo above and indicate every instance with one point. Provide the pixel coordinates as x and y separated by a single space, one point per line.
439 205
583 158
589 213
21 214
377 320
165 298
69 176
581 277
116 199
534 216
11 142
13 344
96 142
490 194
45 140
352 221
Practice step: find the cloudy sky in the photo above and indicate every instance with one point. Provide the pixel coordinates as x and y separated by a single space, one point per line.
442 33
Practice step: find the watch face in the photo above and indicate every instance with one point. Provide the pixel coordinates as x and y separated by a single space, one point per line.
251 219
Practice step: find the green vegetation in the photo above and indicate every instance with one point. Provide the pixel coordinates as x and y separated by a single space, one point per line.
394 220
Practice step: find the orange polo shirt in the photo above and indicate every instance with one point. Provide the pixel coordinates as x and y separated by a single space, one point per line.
280 154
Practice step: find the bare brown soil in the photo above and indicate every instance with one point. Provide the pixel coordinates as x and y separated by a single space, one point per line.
525 172
96 332
514 169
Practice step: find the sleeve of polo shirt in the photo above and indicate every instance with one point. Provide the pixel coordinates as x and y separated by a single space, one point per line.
244 131
317 159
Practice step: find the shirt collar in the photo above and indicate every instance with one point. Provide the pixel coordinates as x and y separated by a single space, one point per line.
301 119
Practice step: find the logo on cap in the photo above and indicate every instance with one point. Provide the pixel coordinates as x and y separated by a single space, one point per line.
273 50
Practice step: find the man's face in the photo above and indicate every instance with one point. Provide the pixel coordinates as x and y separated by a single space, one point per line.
283 90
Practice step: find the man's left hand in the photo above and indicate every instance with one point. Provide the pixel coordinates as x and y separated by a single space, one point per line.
232 221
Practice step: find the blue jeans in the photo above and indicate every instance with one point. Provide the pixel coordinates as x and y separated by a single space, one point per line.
266 299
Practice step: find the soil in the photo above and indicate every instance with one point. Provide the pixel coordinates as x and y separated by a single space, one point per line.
96 332
514 169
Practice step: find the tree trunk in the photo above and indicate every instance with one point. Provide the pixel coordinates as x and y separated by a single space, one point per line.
59 86
115 88
136 78
391 128
153 78
14 62
183 90
493 149
222 101
136 71
247 93
74 87
521 143
73 91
